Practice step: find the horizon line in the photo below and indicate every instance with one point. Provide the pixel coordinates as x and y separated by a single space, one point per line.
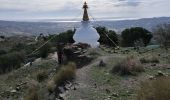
75 20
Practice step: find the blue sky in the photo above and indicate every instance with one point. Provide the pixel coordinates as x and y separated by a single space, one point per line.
66 9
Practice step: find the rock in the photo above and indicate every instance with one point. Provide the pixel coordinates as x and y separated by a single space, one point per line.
18 88
107 91
61 89
5 94
151 77
65 88
107 73
76 53
109 97
160 73
153 64
95 85
115 95
74 88
61 98
159 54
13 91
102 64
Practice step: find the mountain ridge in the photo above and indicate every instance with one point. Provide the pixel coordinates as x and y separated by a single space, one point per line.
10 28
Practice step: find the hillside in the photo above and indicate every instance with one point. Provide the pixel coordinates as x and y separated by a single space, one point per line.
10 28
92 82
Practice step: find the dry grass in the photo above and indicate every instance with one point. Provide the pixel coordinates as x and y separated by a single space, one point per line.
129 66
158 89
151 59
51 86
32 93
67 72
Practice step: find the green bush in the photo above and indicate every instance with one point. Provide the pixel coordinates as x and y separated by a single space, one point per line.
129 66
130 36
45 50
157 89
64 37
103 31
11 61
2 52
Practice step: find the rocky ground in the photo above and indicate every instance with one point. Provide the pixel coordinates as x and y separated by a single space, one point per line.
93 81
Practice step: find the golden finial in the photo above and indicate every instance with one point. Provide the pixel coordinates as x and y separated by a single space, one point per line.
85 15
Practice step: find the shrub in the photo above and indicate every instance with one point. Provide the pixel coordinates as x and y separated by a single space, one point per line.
32 93
162 35
65 73
104 32
11 61
129 36
2 52
42 75
129 66
151 59
45 50
51 86
157 89
64 37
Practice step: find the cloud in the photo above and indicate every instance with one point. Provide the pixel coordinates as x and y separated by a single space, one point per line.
132 3
72 8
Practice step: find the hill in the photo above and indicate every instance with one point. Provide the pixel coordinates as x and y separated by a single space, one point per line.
10 28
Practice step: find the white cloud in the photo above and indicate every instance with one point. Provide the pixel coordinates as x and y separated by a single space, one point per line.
70 8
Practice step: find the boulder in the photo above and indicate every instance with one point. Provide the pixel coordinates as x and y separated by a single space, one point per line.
102 64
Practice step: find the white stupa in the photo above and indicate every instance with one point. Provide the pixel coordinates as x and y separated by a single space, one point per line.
86 33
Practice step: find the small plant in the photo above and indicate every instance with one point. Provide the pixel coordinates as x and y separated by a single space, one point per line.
157 89
129 66
42 75
151 59
65 73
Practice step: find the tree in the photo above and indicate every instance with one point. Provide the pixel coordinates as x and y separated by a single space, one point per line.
45 50
130 36
64 37
162 35
107 37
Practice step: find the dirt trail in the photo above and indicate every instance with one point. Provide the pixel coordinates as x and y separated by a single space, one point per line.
84 83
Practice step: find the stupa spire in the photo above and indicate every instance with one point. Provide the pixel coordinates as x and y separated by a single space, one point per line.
86 33
85 15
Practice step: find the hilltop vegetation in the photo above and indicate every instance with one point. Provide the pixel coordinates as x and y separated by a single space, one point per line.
30 69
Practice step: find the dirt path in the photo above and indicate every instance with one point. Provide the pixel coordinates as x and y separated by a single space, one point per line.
84 83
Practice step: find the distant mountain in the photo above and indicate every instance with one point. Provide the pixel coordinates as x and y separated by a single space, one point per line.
10 28
148 23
